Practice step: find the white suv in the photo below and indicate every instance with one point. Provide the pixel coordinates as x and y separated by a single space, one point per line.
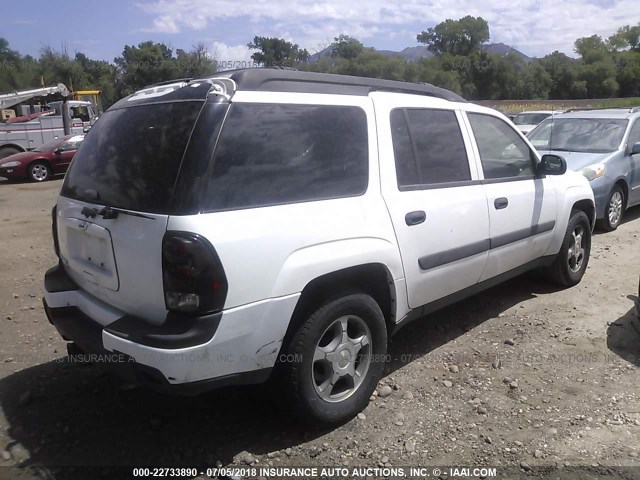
214 231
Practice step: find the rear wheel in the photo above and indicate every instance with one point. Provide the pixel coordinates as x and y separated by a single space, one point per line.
571 262
614 210
337 358
39 172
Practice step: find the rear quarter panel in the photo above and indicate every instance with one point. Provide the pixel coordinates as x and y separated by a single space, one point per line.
276 250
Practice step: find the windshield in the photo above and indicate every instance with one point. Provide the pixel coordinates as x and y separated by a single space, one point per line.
49 147
530 118
131 157
591 135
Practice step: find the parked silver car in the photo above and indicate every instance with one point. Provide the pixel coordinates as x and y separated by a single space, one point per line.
604 145
527 121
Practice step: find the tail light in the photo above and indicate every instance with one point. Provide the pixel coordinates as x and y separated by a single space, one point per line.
54 230
194 280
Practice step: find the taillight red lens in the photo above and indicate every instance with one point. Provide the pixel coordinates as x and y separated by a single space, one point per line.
194 280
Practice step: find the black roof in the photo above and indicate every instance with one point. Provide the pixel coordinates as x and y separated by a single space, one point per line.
276 80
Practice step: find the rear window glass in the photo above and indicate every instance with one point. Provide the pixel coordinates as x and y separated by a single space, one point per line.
275 154
428 147
131 157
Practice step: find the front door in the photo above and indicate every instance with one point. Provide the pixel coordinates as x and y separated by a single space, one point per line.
522 206
66 153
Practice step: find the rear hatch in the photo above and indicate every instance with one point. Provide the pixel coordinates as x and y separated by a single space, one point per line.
117 196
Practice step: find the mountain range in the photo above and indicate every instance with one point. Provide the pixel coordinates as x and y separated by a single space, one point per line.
416 53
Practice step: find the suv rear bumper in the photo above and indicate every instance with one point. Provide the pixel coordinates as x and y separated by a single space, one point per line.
185 354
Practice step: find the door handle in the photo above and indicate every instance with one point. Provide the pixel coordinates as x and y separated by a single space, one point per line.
415 218
501 203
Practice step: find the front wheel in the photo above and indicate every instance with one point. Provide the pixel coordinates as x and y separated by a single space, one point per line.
39 172
614 210
337 358
571 262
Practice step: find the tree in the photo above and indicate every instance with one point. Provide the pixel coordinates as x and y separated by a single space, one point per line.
563 71
100 75
534 81
276 52
12 74
456 37
628 73
195 63
591 49
346 47
57 66
625 38
431 70
600 78
598 67
146 64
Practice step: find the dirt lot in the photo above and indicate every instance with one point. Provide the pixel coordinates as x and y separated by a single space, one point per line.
520 377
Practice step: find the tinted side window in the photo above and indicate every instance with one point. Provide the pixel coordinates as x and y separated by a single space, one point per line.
428 147
275 154
503 153
406 166
70 145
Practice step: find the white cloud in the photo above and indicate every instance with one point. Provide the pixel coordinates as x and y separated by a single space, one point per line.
536 27
229 57
163 24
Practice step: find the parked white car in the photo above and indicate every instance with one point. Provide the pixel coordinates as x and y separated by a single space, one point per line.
216 230
528 120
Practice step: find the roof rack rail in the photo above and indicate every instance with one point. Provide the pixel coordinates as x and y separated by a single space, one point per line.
168 82
587 109
286 80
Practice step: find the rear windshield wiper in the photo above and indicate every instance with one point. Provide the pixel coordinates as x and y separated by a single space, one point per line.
109 213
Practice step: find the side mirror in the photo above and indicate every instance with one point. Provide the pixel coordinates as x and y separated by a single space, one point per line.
552 165
58 151
635 149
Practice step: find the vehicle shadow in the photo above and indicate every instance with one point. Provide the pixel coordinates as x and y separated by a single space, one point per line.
13 181
426 334
5 182
629 216
68 414
632 214
623 335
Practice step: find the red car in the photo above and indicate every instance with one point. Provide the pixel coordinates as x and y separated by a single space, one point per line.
42 163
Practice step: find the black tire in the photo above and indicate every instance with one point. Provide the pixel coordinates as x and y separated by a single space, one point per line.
303 373
565 270
606 223
39 172
6 151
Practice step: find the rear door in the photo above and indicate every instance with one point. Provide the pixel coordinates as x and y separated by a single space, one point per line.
432 191
129 161
522 206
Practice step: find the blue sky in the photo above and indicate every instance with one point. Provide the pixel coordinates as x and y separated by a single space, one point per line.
100 29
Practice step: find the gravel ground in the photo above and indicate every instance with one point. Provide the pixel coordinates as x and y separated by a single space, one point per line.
523 377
